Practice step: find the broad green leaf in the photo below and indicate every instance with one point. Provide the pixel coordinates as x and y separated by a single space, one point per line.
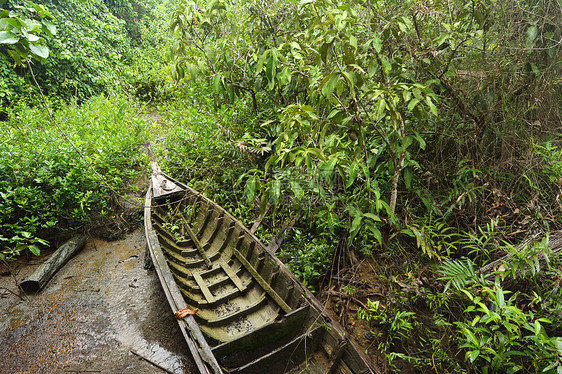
353 41
32 38
420 140
386 66
275 192
412 104
329 84
252 185
34 249
372 216
377 44
432 106
217 83
51 29
16 56
333 113
352 174
325 51
381 108
261 61
408 177
327 169
7 37
269 69
332 220
263 202
284 76
355 227
297 189
474 355
39 50
374 230
532 33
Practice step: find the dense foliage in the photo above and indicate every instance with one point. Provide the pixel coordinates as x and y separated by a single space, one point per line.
385 121
62 177
100 47
415 141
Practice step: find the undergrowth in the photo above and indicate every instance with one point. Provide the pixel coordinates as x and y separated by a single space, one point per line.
55 179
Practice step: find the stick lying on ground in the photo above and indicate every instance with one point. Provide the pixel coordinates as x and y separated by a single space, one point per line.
554 242
36 281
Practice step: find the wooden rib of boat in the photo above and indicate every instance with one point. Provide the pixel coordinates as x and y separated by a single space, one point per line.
253 315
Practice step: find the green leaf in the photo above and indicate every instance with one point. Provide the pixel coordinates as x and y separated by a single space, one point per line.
532 33
330 84
355 227
432 106
284 76
327 169
412 104
34 249
386 66
334 113
275 192
261 61
252 184
374 229
217 83
408 177
270 68
354 168
7 37
39 50
332 221
473 355
353 41
377 44
51 29
372 216
324 52
381 110
297 189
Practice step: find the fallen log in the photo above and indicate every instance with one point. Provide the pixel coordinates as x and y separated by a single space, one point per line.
41 276
501 264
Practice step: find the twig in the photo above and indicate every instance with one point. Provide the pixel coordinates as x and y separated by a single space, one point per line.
259 219
12 292
278 240
151 362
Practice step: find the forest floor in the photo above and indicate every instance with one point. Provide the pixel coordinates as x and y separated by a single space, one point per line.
94 313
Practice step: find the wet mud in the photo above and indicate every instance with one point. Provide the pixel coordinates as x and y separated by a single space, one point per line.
101 313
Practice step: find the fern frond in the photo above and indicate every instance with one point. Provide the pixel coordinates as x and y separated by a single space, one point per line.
458 273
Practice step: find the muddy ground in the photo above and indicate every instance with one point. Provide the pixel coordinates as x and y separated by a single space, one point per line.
101 313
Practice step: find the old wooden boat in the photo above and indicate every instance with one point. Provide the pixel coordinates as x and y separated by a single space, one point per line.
253 315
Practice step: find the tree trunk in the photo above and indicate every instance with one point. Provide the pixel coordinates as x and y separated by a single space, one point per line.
41 276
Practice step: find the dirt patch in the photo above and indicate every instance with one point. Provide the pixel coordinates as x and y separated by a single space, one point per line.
96 311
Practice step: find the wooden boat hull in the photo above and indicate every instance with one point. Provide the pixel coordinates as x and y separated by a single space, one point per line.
253 315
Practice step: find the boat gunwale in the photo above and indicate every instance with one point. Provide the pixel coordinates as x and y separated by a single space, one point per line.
203 356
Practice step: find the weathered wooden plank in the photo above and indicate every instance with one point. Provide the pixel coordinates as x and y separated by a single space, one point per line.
41 276
266 287
198 245
204 289
262 340
286 357
233 276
